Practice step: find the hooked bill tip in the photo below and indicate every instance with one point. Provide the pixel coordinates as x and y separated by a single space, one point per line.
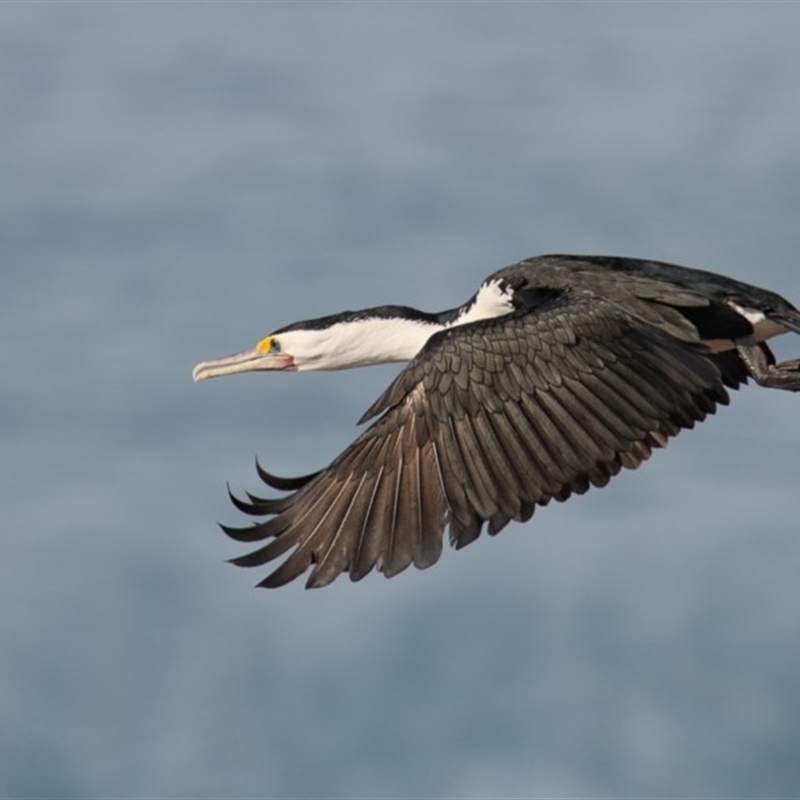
197 373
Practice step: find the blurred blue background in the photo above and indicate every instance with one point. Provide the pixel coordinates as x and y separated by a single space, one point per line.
177 180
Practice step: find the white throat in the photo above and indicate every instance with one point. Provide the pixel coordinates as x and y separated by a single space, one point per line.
380 339
357 343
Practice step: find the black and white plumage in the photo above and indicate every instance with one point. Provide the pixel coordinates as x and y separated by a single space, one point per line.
557 373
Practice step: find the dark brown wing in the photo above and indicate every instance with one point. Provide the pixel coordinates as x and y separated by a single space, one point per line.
488 421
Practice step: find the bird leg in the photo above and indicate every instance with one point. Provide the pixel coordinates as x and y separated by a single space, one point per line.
761 365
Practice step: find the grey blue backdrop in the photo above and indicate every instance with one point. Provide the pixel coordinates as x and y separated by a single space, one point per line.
178 179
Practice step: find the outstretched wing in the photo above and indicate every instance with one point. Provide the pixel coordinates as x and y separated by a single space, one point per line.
487 422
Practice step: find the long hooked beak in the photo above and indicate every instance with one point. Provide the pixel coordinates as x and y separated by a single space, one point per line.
247 361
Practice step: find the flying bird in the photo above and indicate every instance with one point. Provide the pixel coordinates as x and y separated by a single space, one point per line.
559 371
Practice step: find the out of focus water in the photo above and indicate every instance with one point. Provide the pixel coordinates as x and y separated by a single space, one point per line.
176 180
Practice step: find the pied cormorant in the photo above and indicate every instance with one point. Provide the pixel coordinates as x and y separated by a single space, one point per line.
557 373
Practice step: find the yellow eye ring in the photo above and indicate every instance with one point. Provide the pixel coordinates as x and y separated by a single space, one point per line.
269 345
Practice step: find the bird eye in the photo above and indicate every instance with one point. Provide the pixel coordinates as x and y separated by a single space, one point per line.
269 345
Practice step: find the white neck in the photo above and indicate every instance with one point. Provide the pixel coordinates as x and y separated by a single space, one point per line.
366 340
357 343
